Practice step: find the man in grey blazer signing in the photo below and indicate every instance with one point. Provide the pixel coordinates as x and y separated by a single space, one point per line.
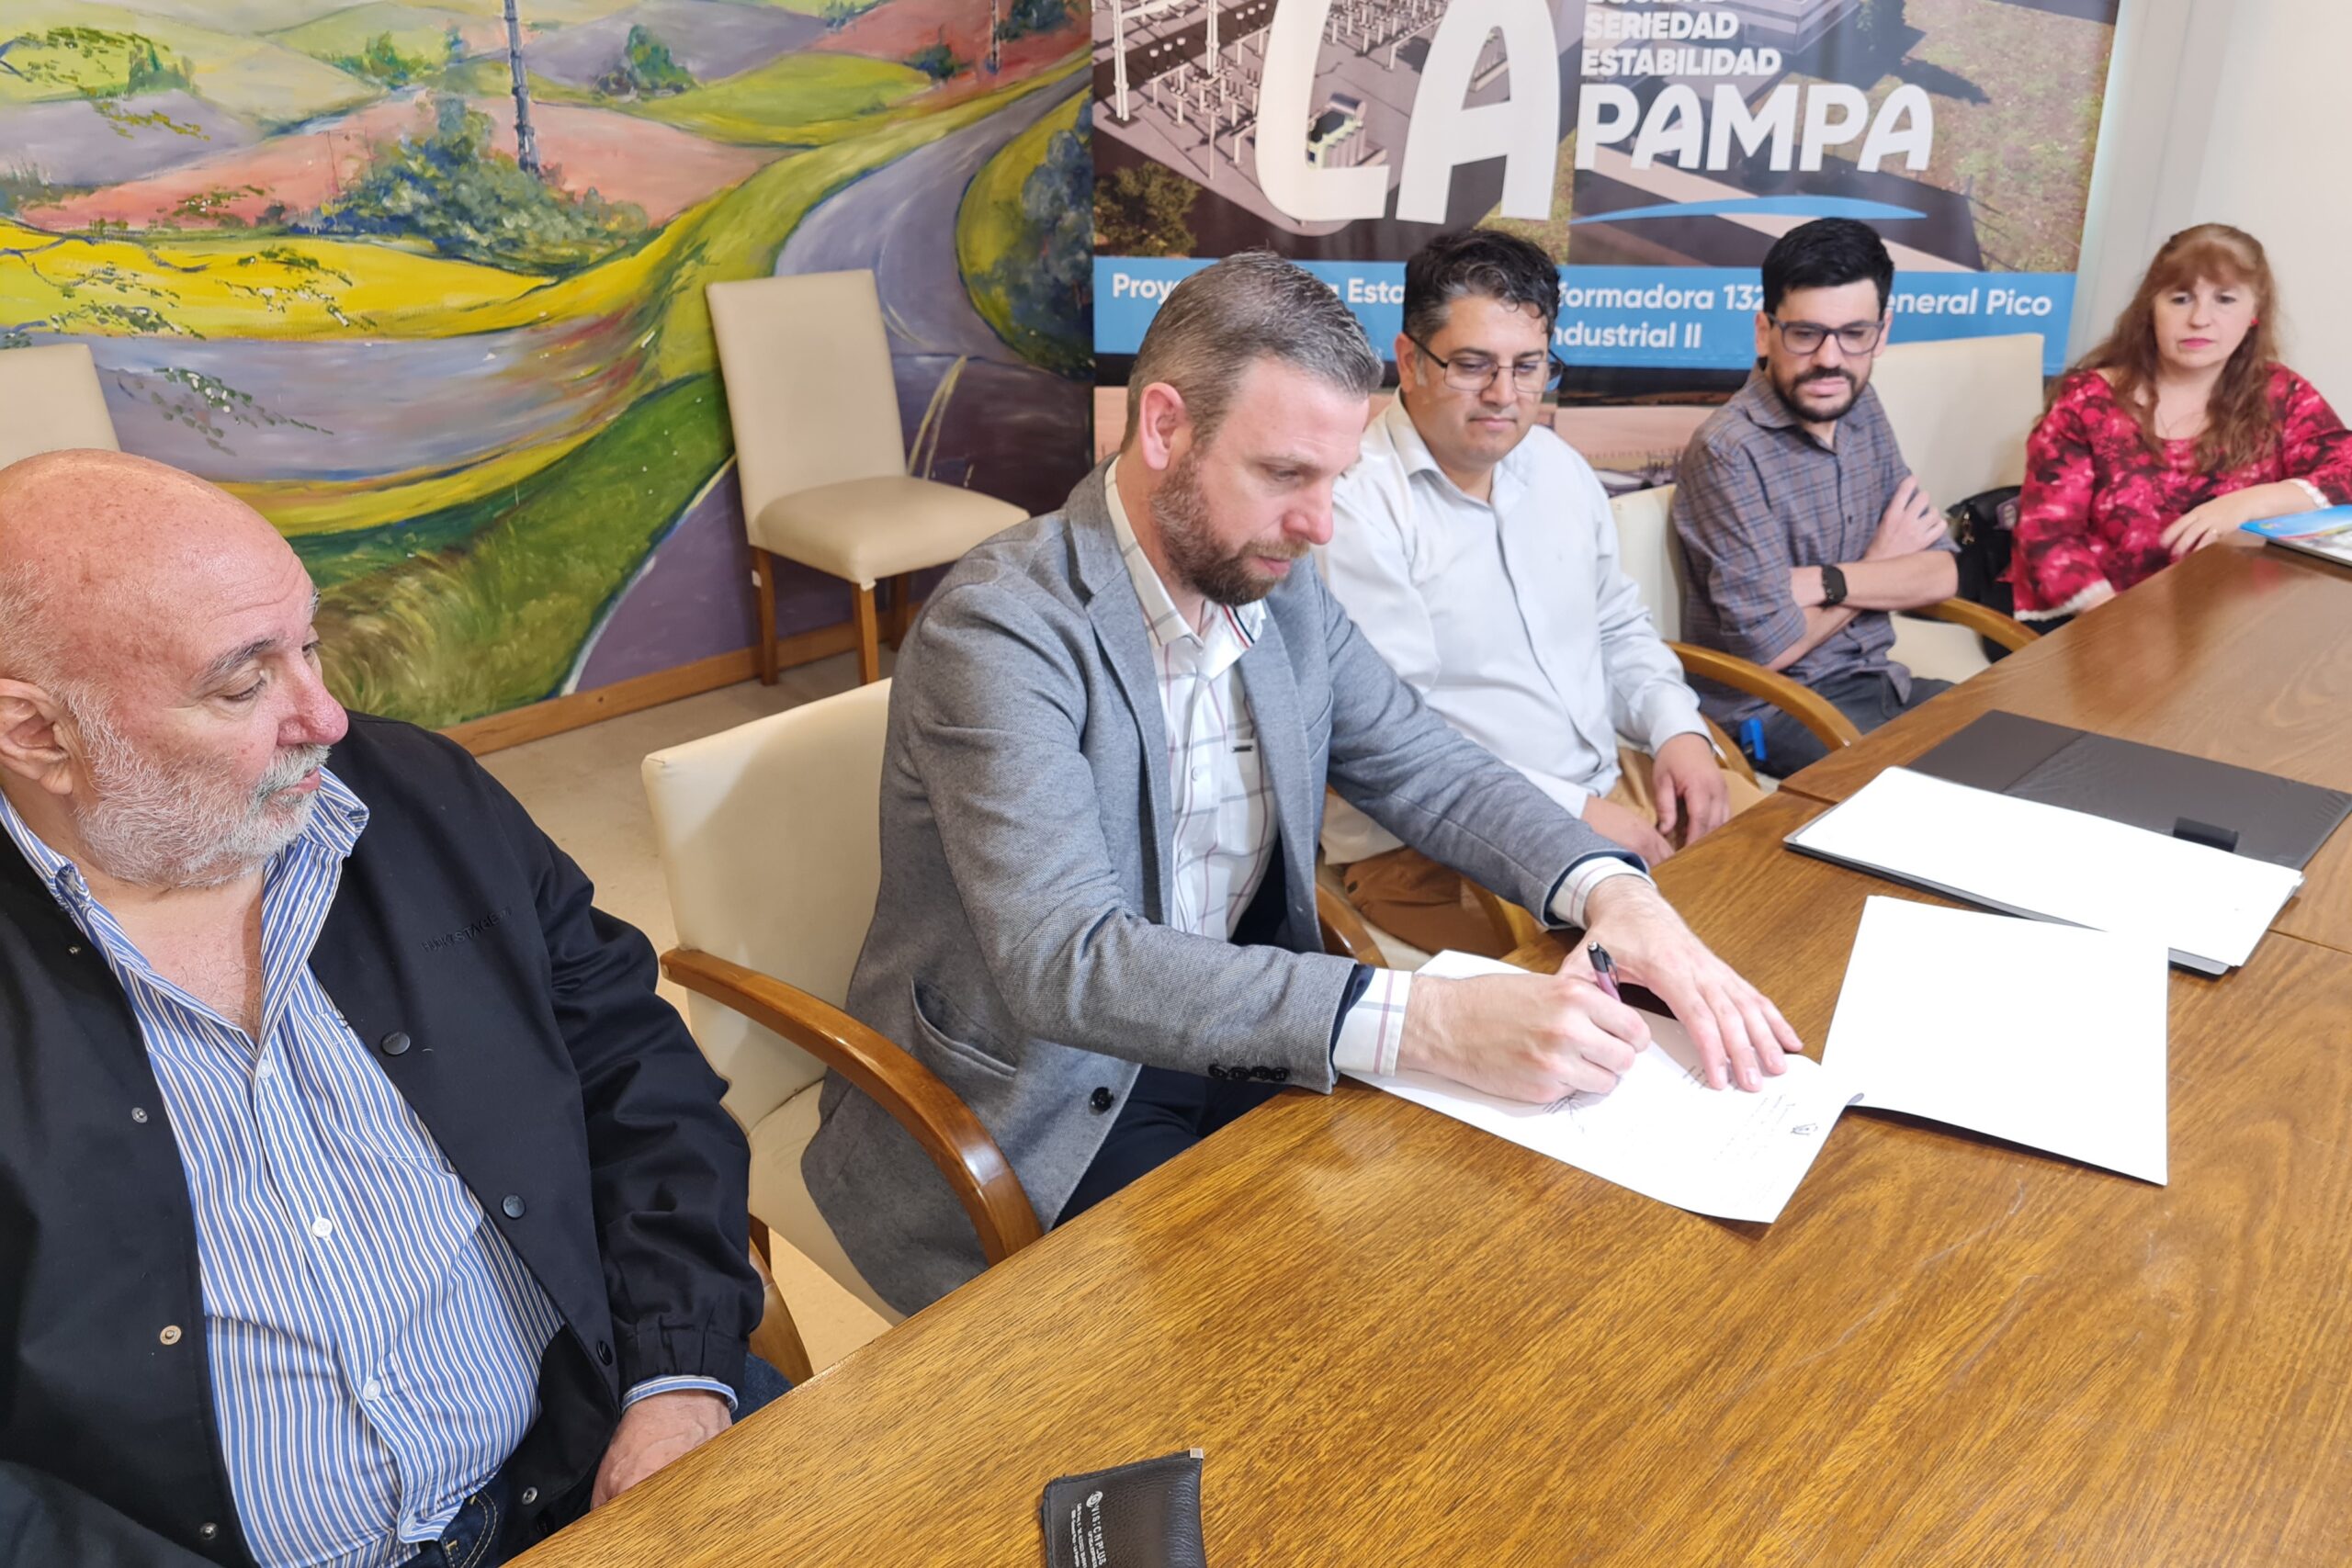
1110 735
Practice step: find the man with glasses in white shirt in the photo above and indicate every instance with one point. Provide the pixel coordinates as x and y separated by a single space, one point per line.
1475 550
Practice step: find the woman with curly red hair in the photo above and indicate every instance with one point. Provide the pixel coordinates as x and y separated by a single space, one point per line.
2181 426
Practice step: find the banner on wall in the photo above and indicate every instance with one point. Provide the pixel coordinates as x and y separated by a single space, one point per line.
1656 147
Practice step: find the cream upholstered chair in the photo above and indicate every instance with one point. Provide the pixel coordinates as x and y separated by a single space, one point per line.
1961 410
53 401
820 454
771 849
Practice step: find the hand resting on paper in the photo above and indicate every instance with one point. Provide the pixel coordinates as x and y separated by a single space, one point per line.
1735 1026
1531 1037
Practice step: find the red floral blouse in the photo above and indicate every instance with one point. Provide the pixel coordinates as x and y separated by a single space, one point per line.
2097 501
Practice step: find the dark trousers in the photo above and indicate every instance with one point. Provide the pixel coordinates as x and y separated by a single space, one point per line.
1166 1114
480 1536
1867 698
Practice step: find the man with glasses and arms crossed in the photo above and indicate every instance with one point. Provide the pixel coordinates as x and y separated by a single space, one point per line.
1800 525
1474 550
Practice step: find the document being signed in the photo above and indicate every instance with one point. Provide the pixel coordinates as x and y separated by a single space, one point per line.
1661 1131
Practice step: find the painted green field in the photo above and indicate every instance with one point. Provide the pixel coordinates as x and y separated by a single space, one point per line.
420 31
248 75
988 223
536 569
232 15
794 100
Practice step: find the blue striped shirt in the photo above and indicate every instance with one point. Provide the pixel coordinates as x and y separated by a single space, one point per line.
374 1343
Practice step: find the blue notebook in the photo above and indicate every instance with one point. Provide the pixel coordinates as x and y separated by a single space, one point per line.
2326 533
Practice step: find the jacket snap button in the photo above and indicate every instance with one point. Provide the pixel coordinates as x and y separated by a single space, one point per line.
1100 1100
138 1114
208 1531
511 1206
530 1495
171 1335
395 1043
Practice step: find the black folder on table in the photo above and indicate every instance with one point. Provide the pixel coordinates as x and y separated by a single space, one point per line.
2258 815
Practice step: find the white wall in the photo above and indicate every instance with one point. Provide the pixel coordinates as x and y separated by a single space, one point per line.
2234 111
2278 164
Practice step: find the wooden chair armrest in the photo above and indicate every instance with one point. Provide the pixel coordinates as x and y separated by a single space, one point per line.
1732 757
1344 933
1981 619
1807 706
913 1095
777 1339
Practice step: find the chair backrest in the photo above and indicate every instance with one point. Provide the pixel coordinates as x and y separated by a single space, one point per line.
810 388
1645 548
1961 410
770 835
53 401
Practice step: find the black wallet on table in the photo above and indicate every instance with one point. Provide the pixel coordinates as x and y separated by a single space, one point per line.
1137 1516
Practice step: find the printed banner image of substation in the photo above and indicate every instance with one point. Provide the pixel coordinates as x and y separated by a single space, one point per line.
1656 148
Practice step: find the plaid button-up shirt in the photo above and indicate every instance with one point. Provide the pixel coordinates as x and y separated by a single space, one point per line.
1757 495
1223 808
1227 827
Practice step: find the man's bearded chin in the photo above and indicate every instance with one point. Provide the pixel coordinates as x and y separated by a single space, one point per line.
1182 515
1831 415
153 826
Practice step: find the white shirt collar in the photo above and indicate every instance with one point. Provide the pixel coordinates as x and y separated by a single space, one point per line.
1511 474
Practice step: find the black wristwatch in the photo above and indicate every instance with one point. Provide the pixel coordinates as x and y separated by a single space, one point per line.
1833 588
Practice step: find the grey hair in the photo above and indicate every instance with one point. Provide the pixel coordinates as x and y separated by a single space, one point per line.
1224 318
29 648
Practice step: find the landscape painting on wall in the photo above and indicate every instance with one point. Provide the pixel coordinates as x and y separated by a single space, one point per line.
424 283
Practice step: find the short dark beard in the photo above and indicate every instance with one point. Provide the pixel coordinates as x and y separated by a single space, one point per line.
1182 515
1788 394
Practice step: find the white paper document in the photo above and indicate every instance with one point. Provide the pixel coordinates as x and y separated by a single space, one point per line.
1661 1131
2209 907
2052 1036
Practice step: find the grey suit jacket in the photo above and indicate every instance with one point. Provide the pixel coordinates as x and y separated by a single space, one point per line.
1019 946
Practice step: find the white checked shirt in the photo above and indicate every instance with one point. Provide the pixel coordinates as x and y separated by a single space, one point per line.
1223 808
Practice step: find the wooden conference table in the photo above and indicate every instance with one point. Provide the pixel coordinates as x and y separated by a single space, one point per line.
1402 1341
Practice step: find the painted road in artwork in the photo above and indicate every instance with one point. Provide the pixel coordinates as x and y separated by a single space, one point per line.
481 398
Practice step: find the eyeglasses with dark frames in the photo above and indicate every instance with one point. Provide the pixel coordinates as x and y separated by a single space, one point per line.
1475 372
1807 337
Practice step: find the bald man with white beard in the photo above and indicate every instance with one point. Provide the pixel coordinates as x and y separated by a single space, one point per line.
360 1203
